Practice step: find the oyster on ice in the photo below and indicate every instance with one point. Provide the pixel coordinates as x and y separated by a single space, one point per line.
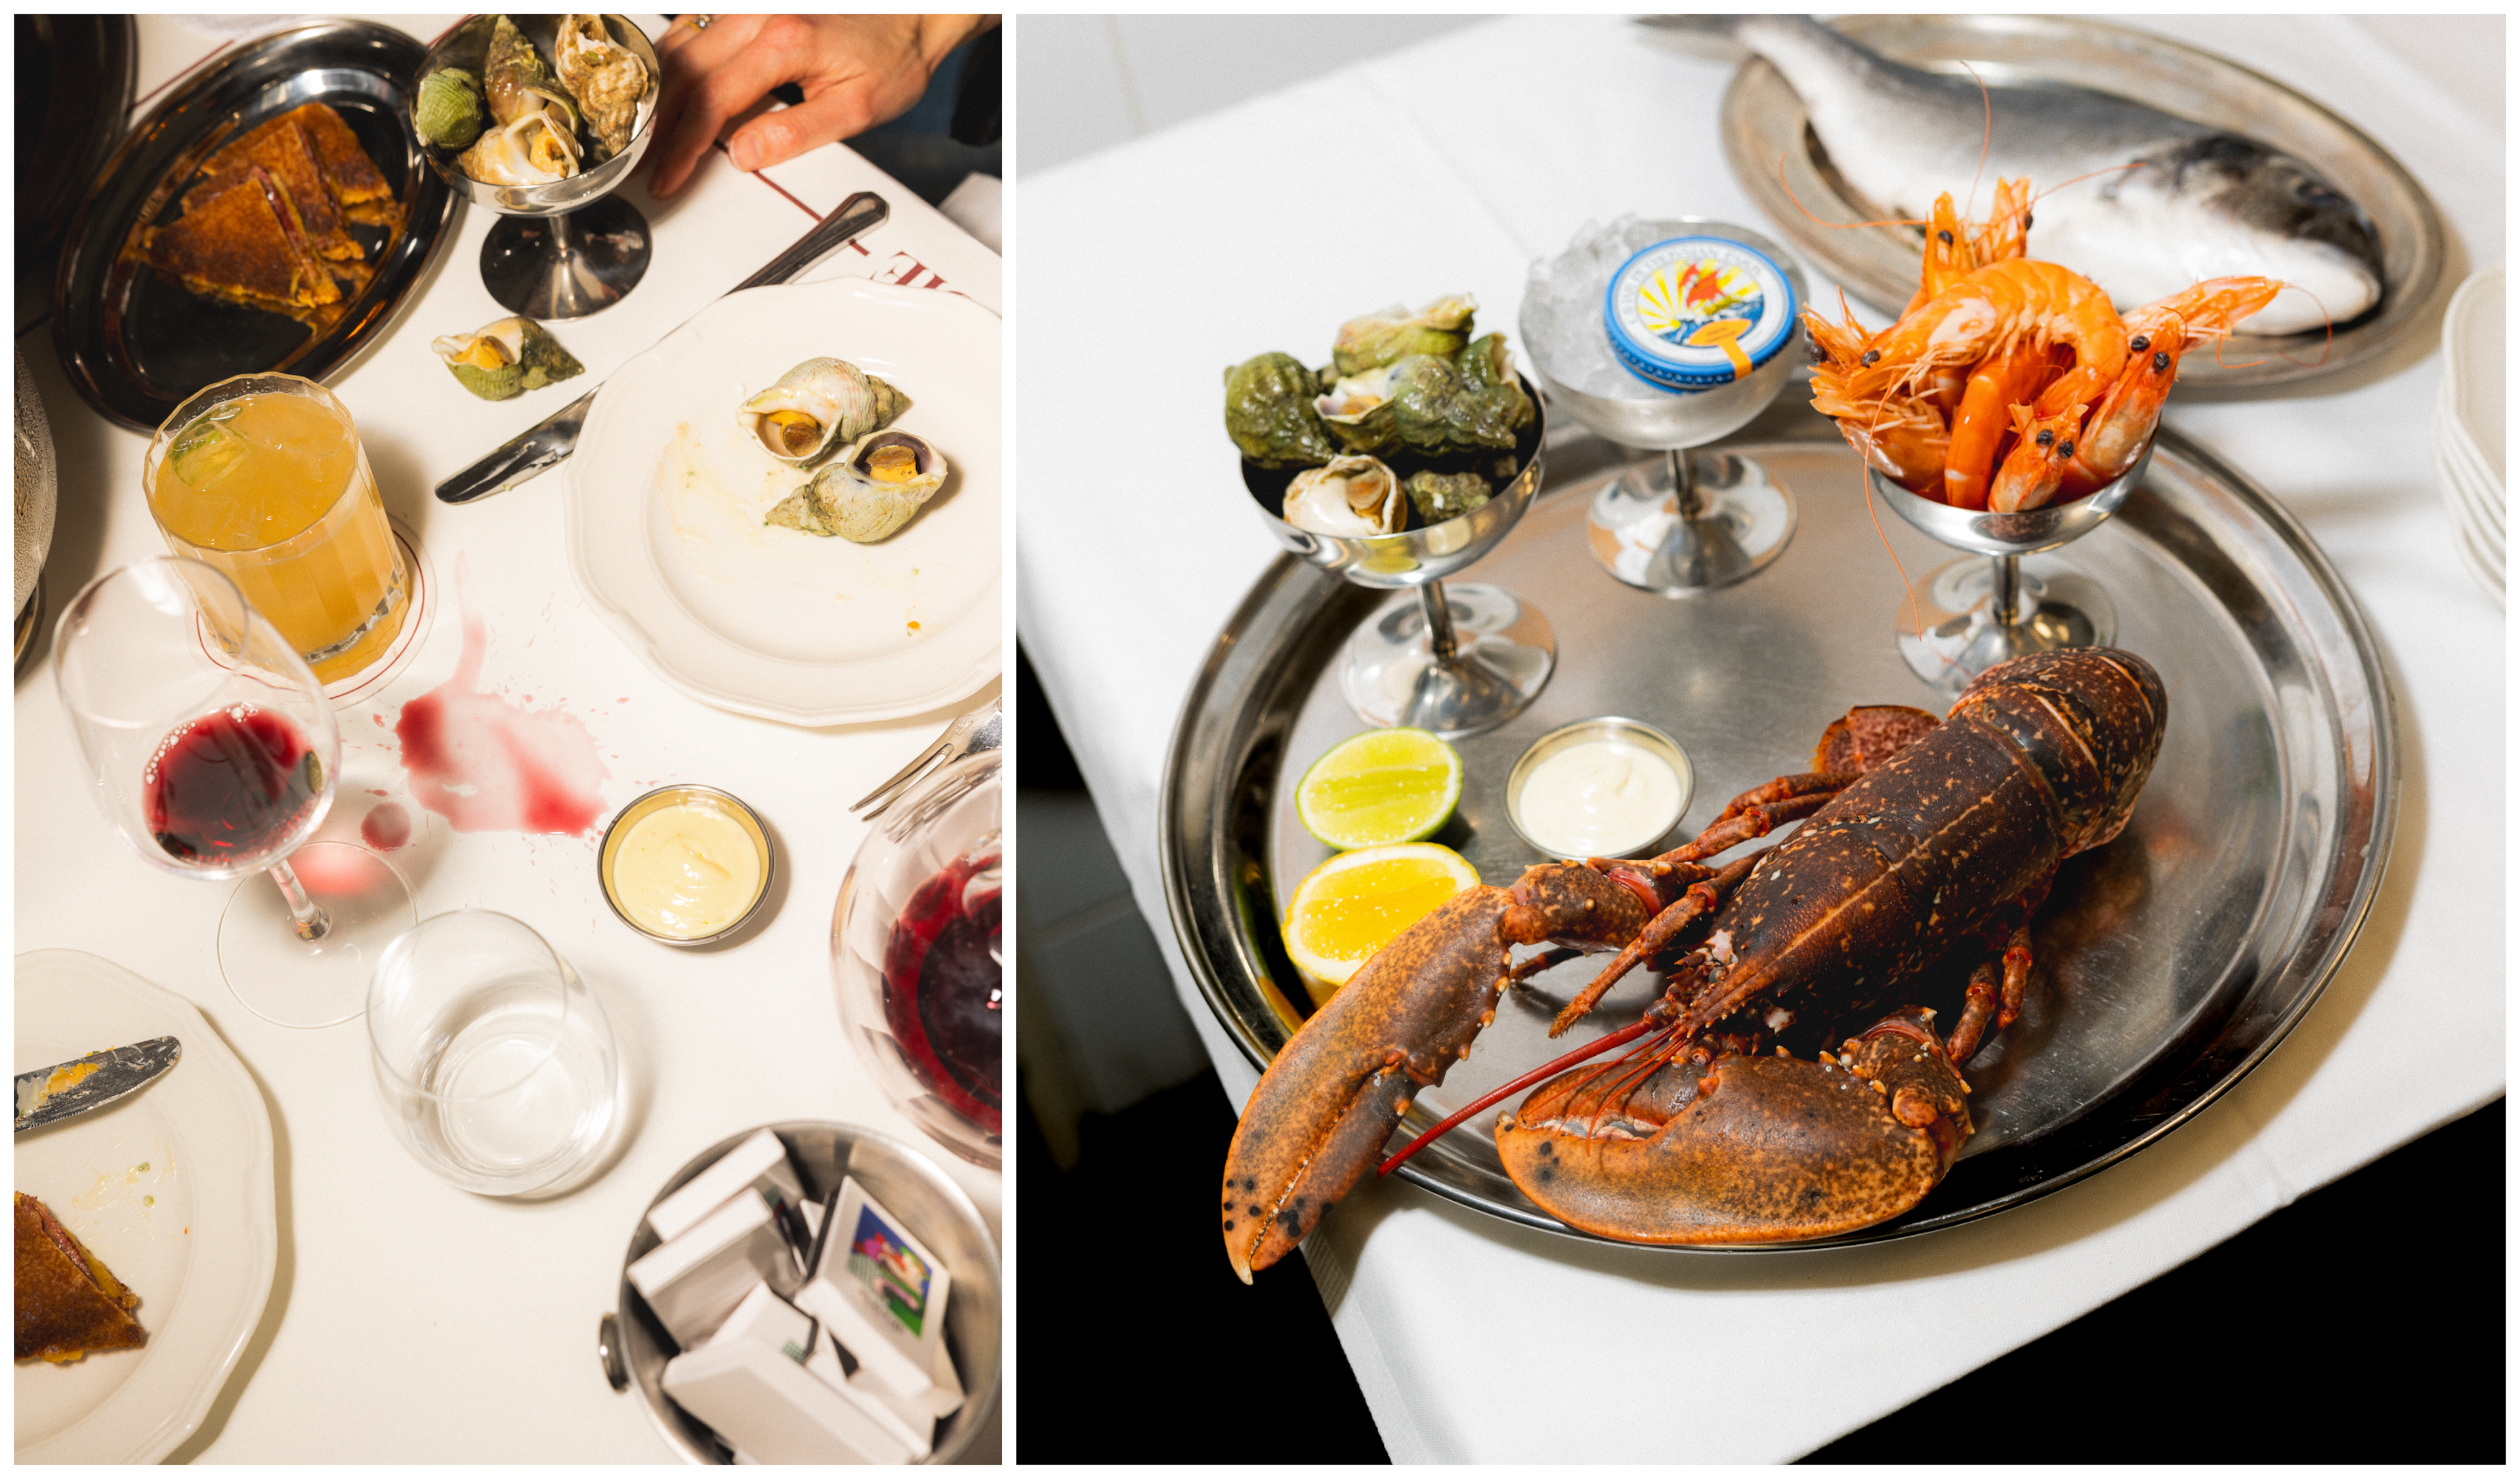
868 492
607 80
506 358
1353 498
1269 413
1379 339
818 405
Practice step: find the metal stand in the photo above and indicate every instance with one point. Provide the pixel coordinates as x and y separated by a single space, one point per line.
566 266
1453 662
1680 526
1977 613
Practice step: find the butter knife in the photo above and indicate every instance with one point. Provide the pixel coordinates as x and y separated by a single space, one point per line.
91 1082
549 444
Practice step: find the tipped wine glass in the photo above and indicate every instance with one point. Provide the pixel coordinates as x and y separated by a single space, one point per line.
212 750
571 246
1683 523
1451 660
2009 598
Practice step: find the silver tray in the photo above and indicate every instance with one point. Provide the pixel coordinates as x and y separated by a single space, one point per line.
2171 962
1764 119
136 345
634 1346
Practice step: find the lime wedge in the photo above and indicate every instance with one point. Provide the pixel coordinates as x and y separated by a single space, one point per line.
1358 901
1380 787
206 452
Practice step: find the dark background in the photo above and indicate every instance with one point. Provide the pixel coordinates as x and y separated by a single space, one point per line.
2365 1323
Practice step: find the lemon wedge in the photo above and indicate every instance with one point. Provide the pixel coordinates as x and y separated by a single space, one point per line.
1358 901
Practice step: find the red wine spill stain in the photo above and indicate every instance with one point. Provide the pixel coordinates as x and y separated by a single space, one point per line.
487 765
386 827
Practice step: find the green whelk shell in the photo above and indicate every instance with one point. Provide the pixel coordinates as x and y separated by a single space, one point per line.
534 359
449 111
1269 413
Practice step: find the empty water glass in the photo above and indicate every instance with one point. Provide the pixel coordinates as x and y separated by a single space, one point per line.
494 1061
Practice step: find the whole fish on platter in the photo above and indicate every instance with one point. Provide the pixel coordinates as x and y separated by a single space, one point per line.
2202 203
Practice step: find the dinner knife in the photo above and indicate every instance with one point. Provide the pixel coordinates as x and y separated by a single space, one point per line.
92 1082
548 444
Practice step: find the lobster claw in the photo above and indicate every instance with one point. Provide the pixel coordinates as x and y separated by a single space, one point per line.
1339 1087
1766 1149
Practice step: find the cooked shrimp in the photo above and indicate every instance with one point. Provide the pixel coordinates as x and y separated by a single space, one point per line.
2005 380
2037 464
1990 310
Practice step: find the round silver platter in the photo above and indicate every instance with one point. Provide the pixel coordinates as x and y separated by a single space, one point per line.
135 345
2171 962
1763 120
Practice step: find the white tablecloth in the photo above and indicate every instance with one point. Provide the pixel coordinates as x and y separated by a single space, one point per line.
1453 165
411 1322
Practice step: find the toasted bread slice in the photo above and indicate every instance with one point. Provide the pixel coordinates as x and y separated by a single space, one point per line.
237 245
282 149
363 192
69 1303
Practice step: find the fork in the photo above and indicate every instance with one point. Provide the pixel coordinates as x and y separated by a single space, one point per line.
982 729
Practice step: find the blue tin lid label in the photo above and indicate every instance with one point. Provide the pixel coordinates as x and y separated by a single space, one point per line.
1698 312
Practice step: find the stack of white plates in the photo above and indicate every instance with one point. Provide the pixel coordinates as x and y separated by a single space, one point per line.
2467 425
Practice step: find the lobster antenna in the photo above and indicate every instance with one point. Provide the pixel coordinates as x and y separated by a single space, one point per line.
1590 1049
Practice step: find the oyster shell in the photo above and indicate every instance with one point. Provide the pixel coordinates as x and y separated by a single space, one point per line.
1269 413
1441 496
1393 333
448 112
819 405
506 358
1358 412
869 492
606 79
1352 497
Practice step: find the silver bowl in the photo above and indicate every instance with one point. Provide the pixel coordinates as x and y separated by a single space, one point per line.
1413 557
634 1347
568 249
2027 532
1677 529
1452 662
1972 614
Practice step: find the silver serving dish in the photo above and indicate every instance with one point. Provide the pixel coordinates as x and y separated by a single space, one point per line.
568 247
135 345
634 1348
38 489
1415 555
1648 416
1984 531
1763 121
2173 961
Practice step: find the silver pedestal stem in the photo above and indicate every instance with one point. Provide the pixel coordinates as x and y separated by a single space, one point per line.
2005 604
1439 622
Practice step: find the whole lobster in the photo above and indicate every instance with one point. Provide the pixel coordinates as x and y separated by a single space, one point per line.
1923 837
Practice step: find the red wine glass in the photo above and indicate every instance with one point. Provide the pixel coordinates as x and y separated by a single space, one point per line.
214 753
919 958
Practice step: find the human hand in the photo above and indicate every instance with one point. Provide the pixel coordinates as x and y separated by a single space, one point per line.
856 71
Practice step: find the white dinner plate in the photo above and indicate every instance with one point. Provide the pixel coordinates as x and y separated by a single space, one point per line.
666 497
171 1188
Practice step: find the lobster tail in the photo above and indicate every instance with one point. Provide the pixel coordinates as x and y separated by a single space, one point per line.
2090 719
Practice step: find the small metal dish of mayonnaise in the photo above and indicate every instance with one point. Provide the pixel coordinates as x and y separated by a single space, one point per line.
1599 788
686 865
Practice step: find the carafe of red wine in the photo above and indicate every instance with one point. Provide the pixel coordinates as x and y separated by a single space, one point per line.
917 955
